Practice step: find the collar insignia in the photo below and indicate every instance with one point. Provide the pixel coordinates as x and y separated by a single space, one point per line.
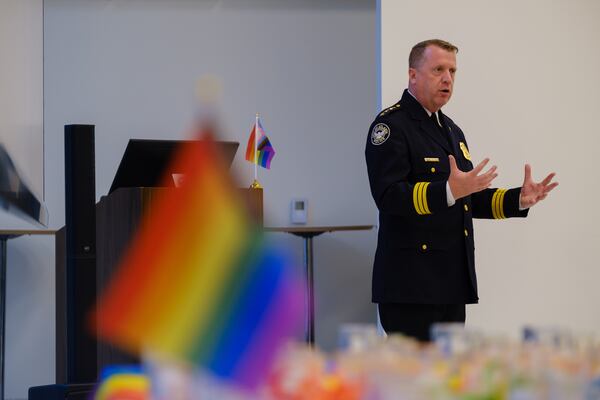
389 109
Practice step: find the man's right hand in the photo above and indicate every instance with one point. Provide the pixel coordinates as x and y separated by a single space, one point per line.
464 183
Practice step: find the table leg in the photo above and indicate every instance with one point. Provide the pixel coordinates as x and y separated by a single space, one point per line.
310 297
2 310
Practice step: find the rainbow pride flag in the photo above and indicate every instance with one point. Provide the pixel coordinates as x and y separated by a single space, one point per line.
199 284
123 383
259 150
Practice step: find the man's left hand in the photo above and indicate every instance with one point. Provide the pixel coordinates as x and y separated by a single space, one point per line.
533 192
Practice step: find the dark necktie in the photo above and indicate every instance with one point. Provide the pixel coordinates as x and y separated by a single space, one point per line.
436 120
441 130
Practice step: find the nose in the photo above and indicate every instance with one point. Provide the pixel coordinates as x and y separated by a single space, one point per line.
447 77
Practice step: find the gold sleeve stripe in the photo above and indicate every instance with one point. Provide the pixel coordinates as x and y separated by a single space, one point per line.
420 198
424 198
416 197
495 204
498 204
501 204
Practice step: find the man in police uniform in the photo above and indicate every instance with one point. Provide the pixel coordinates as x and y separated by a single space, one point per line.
427 191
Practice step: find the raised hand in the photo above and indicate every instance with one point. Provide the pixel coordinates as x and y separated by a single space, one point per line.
532 192
464 183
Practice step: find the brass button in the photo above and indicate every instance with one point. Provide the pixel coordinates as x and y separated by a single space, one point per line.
466 232
432 169
424 247
466 207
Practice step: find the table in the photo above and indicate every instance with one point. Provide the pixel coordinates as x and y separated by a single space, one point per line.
308 233
4 236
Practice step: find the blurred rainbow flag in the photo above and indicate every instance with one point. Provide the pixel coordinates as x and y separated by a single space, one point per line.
259 149
123 383
199 284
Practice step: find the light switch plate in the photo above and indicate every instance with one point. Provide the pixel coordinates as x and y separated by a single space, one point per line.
299 211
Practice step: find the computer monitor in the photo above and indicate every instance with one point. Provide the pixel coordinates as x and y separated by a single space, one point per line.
145 162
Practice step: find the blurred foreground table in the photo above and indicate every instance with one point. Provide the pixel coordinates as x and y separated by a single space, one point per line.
308 233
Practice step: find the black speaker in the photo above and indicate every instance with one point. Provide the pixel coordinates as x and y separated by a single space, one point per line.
79 361
61 392
80 190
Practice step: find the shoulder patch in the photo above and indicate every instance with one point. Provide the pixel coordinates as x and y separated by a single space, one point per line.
389 110
379 134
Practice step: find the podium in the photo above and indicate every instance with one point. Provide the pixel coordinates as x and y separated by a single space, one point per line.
118 217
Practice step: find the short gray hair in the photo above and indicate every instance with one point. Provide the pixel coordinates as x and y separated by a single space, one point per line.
416 54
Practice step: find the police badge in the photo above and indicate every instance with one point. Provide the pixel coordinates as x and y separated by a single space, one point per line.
380 133
465 151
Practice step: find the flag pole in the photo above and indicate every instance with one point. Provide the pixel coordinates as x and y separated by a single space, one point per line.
255 183
256 148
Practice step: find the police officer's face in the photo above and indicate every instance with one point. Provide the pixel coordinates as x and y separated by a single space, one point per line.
431 82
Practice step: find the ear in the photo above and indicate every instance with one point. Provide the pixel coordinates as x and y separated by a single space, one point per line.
412 75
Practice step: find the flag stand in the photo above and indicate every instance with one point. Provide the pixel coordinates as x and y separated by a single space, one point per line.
255 185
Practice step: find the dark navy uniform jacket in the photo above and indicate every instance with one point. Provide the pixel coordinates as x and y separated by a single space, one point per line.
425 250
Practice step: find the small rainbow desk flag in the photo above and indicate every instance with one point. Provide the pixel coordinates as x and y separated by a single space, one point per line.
123 383
199 284
259 150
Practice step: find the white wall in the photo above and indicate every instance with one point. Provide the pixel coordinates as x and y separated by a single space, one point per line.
30 260
526 91
130 67
21 75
